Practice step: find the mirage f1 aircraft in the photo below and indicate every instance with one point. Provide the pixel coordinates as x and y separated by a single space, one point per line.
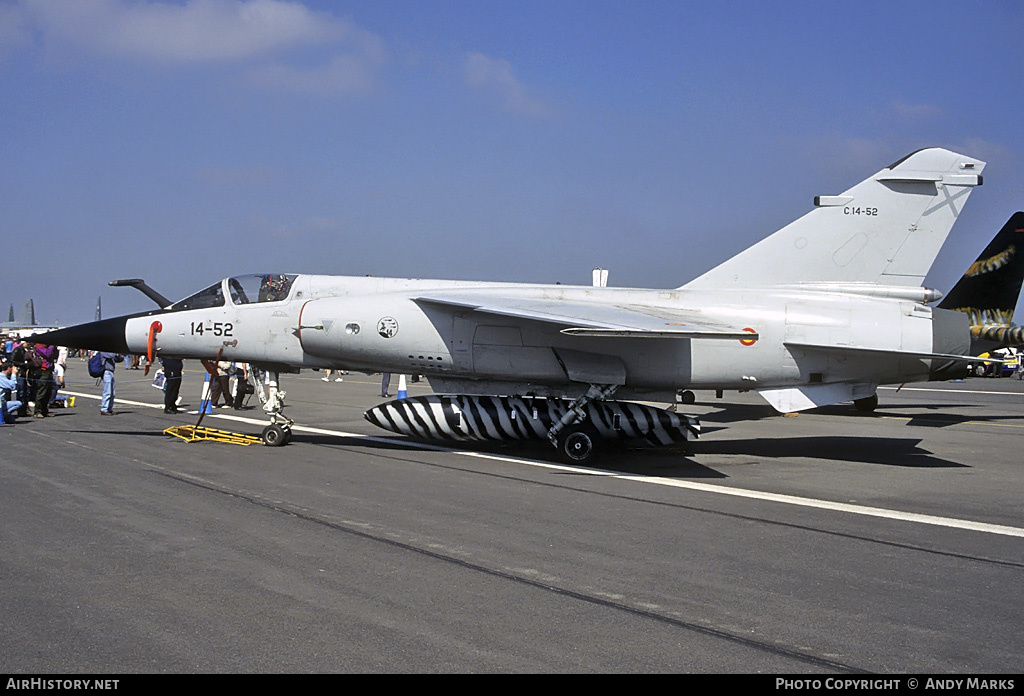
820 312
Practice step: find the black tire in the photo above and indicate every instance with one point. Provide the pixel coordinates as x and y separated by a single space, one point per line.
579 444
688 397
867 404
275 436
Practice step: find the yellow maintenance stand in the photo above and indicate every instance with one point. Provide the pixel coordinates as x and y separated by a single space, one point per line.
193 433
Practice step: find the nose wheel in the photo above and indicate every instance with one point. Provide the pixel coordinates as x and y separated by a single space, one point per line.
276 435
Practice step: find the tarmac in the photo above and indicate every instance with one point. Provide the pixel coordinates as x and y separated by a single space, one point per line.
826 542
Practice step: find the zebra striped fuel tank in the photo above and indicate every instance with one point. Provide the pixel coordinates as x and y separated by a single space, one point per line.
461 417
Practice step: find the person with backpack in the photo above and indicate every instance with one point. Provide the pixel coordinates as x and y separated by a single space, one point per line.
95 365
109 362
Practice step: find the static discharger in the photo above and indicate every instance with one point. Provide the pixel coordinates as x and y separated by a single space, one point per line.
192 433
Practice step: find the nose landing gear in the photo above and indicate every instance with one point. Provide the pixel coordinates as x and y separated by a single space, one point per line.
279 432
275 435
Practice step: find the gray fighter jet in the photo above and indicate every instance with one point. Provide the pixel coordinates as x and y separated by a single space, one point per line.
822 311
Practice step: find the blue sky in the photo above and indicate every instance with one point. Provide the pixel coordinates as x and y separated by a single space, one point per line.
182 142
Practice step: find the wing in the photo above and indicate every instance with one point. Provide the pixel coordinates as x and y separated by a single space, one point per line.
592 319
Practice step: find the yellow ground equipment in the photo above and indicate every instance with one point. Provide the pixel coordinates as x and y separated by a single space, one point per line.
192 433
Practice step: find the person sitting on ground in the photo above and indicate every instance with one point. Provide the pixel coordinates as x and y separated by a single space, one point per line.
9 405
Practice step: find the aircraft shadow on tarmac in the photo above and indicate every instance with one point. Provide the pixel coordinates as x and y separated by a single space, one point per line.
887 451
735 413
936 416
947 416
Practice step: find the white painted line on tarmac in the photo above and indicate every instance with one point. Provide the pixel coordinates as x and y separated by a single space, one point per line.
940 390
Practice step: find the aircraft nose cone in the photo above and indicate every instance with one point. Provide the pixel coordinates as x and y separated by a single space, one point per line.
104 335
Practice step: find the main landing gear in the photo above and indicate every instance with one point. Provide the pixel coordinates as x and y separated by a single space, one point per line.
578 443
576 440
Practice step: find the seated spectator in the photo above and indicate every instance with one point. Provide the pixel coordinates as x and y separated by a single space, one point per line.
9 406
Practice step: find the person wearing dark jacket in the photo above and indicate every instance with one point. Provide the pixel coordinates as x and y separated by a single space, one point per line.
22 356
45 359
172 383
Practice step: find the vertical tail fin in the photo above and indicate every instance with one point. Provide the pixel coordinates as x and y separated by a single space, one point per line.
28 315
988 292
888 229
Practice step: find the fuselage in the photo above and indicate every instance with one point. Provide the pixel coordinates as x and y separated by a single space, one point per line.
381 324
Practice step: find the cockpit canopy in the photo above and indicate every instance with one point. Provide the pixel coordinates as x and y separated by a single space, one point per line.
244 289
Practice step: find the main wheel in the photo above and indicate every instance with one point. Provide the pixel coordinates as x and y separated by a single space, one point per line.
578 444
868 403
275 436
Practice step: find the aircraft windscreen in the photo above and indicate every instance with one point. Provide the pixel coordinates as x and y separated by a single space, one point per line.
260 287
212 296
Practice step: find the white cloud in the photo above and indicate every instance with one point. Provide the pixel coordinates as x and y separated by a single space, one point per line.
260 35
916 112
199 30
985 150
495 76
343 74
848 156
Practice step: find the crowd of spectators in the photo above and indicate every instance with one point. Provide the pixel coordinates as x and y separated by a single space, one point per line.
31 376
